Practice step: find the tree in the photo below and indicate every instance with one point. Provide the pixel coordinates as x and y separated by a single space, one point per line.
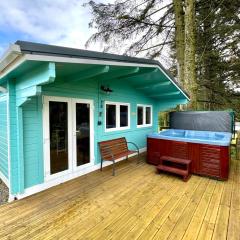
154 27
218 53
139 27
190 52
179 38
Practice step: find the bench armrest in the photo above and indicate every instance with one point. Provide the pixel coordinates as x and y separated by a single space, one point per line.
135 145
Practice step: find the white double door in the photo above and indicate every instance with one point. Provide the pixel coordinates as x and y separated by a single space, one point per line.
68 135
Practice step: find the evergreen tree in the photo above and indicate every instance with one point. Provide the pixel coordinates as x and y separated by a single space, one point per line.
147 27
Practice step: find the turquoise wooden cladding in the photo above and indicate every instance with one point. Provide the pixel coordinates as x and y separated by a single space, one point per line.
3 137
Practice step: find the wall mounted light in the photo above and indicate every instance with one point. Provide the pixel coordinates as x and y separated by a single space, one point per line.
106 89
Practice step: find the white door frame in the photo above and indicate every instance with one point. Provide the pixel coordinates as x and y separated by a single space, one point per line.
72 156
91 124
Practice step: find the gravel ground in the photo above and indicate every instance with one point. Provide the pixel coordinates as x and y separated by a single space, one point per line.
3 193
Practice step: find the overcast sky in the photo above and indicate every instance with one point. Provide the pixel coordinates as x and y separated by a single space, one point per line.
59 22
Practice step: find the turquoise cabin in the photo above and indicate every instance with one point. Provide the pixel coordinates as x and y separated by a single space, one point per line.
57 103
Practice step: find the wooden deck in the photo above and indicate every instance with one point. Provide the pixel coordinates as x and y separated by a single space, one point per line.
135 204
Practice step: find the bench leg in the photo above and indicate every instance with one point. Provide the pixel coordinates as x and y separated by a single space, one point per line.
101 164
113 173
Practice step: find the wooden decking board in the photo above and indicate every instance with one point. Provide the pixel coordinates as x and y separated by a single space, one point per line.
199 214
221 225
184 220
88 221
235 204
234 215
181 213
234 225
208 224
222 221
163 214
36 215
135 208
71 208
141 213
204 224
135 204
74 187
138 229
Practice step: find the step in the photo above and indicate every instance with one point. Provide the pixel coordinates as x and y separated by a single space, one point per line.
176 160
178 171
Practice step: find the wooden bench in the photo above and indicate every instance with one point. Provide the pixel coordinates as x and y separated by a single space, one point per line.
111 150
177 165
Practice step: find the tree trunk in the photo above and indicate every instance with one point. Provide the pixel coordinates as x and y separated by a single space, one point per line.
179 38
190 52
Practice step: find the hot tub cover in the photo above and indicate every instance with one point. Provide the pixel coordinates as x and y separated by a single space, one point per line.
216 121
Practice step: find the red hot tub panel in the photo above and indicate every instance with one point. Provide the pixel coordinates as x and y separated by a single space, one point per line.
207 160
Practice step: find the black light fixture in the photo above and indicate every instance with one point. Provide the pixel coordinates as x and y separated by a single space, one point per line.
106 89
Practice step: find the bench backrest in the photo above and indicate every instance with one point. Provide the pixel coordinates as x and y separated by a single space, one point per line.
113 147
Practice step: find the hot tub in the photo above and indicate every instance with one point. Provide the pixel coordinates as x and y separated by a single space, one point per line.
209 151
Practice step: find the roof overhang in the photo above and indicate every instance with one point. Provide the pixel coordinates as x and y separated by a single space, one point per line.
14 58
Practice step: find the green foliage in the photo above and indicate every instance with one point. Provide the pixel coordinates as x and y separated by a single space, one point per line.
135 26
218 32
147 27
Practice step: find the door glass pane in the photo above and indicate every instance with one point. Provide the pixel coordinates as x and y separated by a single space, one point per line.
83 133
58 122
110 116
139 115
148 115
123 116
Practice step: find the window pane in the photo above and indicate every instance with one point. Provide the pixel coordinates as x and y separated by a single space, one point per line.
58 123
148 115
83 133
123 116
139 115
110 116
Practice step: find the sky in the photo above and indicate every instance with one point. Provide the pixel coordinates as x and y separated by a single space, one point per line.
58 22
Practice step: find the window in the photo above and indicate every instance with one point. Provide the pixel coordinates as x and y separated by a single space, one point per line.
123 116
111 116
139 115
148 115
144 115
117 116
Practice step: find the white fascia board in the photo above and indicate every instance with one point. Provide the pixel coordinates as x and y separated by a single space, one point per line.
35 57
12 66
9 56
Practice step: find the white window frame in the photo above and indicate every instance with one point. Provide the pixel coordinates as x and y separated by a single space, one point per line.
144 106
73 169
117 104
46 137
